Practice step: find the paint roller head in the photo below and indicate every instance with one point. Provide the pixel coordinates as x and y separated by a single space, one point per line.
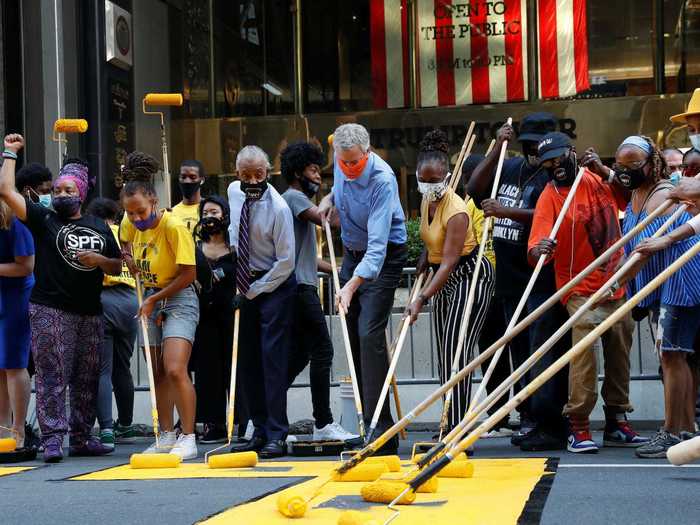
70 125
684 452
234 460
355 517
144 461
363 472
457 469
8 445
386 492
163 99
291 504
393 463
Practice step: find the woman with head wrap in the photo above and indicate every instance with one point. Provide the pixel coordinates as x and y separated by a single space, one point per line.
675 306
73 252
216 275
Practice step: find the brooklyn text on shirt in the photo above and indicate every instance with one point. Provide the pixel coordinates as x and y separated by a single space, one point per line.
72 239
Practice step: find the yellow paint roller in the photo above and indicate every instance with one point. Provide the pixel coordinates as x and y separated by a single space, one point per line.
163 99
355 517
457 469
393 463
234 460
291 504
386 492
146 461
70 125
366 472
682 453
8 445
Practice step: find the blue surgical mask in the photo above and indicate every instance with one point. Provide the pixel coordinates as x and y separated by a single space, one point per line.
695 140
45 201
146 224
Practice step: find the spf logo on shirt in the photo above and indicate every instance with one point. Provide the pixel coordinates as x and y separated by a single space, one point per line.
73 239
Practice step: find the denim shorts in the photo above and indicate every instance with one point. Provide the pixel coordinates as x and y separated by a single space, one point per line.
179 316
676 327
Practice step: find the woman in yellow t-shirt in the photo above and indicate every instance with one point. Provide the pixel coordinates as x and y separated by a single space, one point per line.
163 256
450 250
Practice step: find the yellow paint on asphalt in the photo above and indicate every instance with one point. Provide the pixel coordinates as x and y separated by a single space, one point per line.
496 494
6 471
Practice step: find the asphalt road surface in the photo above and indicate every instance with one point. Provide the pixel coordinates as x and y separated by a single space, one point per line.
610 487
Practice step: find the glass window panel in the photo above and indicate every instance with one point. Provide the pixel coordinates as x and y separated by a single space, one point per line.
337 56
620 41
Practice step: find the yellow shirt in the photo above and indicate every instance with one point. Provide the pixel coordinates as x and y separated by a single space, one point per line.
124 277
188 214
476 219
158 252
433 234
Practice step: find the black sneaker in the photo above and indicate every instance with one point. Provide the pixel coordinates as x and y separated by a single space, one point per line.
31 440
657 446
517 439
539 441
213 434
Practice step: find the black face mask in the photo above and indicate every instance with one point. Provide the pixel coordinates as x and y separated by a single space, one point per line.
253 190
188 189
565 174
209 226
530 153
308 187
631 179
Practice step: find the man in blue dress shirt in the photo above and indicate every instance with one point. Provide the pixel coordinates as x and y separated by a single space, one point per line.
262 233
373 231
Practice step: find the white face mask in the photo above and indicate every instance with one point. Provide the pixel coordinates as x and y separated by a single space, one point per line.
433 191
695 140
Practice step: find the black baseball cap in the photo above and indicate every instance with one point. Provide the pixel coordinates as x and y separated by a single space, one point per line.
553 145
536 125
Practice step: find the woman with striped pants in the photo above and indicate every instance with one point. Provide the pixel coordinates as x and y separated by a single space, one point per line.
450 251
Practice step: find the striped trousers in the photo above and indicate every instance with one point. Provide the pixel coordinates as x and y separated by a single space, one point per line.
449 306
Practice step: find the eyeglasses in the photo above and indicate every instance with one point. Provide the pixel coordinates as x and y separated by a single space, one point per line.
619 168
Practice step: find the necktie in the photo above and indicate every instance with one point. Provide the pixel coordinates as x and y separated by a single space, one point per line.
243 268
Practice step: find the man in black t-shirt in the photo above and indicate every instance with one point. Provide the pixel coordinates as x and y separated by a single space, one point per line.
521 183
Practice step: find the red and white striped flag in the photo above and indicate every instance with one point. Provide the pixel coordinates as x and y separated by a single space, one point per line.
563 38
472 52
389 42
475 51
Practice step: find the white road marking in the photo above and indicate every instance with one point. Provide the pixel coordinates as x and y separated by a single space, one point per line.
624 465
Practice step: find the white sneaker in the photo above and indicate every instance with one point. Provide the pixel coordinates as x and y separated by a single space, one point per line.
332 432
166 441
498 433
185 447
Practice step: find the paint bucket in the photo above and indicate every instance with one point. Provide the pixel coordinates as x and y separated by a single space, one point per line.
348 415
